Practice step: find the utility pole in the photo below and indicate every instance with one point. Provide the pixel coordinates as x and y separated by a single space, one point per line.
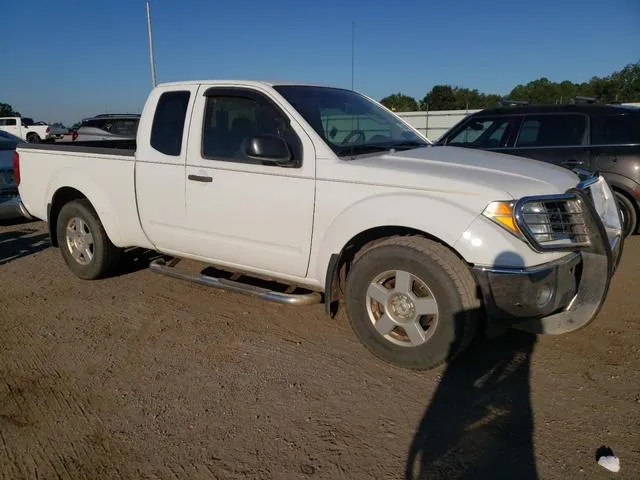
151 59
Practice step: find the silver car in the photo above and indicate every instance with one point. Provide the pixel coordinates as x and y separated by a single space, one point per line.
107 127
10 205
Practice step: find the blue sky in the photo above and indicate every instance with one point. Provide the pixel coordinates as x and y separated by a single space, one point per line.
71 59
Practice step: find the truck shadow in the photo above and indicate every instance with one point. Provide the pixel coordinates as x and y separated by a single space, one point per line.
479 423
21 243
136 259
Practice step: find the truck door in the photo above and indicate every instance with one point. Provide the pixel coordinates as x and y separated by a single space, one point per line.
241 211
160 167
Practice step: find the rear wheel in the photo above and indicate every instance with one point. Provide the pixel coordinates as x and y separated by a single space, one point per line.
412 302
628 213
33 138
84 244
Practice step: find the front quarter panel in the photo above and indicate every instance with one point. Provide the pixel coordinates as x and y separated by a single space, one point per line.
344 210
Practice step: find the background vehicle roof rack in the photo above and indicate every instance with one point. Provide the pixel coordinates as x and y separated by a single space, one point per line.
507 102
583 99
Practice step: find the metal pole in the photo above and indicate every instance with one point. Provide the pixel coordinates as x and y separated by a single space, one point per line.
353 43
151 59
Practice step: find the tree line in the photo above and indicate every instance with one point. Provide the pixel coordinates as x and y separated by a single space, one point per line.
621 86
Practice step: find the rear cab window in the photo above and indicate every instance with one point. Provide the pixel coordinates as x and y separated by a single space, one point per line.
168 122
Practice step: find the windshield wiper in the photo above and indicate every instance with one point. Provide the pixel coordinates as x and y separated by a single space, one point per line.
408 144
362 149
380 147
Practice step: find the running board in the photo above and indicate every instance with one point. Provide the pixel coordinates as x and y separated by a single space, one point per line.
160 266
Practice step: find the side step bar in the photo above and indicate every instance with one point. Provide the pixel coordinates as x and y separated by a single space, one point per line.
160 266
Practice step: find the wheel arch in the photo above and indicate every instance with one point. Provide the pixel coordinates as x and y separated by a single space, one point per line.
339 263
65 194
627 187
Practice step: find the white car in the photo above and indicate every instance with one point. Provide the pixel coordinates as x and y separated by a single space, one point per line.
10 205
338 199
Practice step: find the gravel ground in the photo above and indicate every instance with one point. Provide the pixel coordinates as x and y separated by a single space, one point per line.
144 376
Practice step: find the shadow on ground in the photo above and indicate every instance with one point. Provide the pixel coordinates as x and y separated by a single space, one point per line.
21 243
479 423
136 259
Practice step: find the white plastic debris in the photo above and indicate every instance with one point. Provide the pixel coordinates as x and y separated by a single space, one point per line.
610 462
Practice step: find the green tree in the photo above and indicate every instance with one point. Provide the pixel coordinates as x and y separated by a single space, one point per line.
440 97
7 110
399 102
622 86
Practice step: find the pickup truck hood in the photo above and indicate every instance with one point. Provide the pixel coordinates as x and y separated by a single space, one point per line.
463 171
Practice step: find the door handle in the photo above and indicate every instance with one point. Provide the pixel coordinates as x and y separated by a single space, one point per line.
200 178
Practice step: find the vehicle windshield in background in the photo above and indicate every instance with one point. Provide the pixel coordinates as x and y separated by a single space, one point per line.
27 122
350 123
482 133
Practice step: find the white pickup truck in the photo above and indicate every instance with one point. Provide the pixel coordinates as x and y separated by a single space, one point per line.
26 129
328 196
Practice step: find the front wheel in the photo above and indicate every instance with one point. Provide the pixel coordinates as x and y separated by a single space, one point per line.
412 302
83 242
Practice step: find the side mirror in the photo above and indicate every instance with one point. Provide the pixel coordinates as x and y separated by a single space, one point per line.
269 148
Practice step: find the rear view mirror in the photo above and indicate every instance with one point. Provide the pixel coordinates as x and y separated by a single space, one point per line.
268 148
476 126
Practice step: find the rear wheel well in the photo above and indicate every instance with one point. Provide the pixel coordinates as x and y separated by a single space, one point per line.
60 198
358 243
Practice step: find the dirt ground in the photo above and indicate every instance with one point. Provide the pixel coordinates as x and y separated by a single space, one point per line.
144 376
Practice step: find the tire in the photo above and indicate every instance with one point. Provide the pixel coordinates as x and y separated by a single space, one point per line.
629 215
100 257
448 281
33 138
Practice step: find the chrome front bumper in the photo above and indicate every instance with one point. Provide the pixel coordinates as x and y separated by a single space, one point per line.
562 296
11 208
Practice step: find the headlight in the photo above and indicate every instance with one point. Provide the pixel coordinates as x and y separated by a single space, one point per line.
552 222
502 214
538 220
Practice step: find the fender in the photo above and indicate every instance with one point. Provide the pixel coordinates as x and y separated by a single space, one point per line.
432 215
81 181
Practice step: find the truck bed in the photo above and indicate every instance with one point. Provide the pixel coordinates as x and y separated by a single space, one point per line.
102 147
101 171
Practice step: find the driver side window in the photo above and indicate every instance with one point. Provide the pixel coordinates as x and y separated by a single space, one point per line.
231 121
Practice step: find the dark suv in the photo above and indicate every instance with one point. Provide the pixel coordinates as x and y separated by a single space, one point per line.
596 137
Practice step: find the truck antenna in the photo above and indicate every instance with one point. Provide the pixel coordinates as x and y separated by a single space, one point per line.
151 59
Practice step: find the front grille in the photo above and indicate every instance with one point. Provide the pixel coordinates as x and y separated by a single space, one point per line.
555 222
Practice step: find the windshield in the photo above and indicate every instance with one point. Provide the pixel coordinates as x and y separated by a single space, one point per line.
350 123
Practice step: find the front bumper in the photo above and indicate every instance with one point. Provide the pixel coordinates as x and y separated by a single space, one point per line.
557 297
11 208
